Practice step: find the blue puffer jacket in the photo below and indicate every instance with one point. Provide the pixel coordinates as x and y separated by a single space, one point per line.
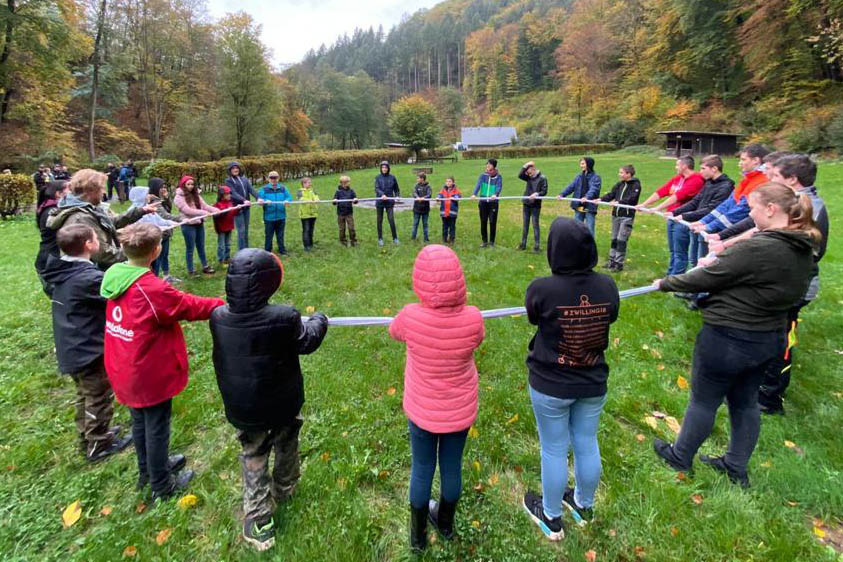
276 194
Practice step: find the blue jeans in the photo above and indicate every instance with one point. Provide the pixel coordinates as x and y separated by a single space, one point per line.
423 218
241 223
563 422
276 228
223 246
162 262
423 445
194 235
698 250
678 240
588 218
449 228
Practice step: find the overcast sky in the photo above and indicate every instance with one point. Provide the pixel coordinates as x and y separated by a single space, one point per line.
292 27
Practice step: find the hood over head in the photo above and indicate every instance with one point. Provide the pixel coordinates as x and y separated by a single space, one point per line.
570 247
384 163
155 185
438 278
253 277
137 195
235 164
589 164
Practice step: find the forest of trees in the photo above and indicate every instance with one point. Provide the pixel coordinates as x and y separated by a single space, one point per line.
92 80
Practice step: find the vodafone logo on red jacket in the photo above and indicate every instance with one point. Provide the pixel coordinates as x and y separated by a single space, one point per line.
114 328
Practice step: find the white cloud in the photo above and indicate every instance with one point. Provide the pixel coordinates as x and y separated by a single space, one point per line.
292 27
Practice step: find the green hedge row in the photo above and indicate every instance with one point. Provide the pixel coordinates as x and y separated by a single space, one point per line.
294 165
17 193
537 151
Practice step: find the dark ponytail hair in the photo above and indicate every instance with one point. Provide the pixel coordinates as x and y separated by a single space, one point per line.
797 206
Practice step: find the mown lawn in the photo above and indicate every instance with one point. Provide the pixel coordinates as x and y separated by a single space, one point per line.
352 500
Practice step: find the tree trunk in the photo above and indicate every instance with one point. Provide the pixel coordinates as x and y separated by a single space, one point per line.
95 58
459 67
429 68
448 67
4 56
438 70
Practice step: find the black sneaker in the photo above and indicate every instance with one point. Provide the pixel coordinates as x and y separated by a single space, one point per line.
116 446
537 249
581 515
174 464
665 451
521 247
719 464
260 535
178 483
552 528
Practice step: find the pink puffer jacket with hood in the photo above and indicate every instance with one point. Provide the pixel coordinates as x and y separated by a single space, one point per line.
441 333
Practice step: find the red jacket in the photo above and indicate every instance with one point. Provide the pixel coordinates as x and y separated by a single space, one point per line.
683 190
224 222
145 352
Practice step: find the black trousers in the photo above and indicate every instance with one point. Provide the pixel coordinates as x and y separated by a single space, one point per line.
449 228
151 431
488 215
530 213
728 363
390 216
307 227
777 377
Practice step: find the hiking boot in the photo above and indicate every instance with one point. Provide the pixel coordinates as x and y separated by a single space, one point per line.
418 528
117 445
380 241
441 515
719 464
259 535
178 483
552 528
208 270
581 515
665 451
174 464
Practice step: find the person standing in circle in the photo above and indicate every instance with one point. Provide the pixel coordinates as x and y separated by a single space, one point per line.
241 191
386 187
193 207
489 186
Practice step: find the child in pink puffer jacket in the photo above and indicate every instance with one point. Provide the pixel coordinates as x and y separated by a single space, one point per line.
440 385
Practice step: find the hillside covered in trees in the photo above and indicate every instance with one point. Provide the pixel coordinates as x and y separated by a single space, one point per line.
596 70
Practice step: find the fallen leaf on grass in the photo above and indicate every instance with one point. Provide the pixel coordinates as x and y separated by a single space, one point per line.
681 476
792 503
517 468
386 312
473 433
141 507
672 424
651 421
656 353
674 531
163 536
475 524
640 438
613 533
476 466
326 456
682 382
479 487
616 342
791 445
819 532
766 464
342 483
187 501
660 367
390 391
383 475
531 267
660 334
659 415
106 510
645 347
493 479
590 556
310 309
130 551
639 552
697 499
512 420
71 514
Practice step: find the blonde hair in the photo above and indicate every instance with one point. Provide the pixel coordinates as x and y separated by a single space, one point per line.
87 181
797 206
139 240
345 179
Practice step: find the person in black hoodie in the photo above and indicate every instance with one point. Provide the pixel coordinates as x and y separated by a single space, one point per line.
751 286
717 188
536 186
625 192
49 199
79 331
573 309
422 193
256 359
386 186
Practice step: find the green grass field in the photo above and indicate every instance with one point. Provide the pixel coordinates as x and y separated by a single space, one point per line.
352 500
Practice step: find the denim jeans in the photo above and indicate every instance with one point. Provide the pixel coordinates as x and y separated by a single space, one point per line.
678 241
449 228
728 363
307 227
698 249
223 246
562 423
528 214
276 228
162 262
588 218
425 447
194 235
241 223
151 432
423 218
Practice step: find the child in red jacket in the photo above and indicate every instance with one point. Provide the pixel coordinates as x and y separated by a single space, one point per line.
145 353
224 225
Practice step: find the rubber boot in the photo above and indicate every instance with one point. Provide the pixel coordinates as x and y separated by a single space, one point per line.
441 515
418 528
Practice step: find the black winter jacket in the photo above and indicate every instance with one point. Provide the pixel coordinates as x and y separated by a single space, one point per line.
386 184
536 184
625 193
344 209
424 191
572 309
48 245
257 345
78 312
709 197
